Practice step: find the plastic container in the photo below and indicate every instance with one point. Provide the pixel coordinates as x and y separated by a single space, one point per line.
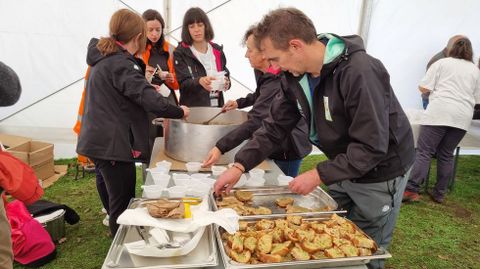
164 165
256 173
162 170
160 179
208 181
152 191
177 191
218 170
199 190
219 83
283 180
200 175
255 182
241 182
193 167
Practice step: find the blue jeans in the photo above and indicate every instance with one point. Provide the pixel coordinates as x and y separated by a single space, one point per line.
289 168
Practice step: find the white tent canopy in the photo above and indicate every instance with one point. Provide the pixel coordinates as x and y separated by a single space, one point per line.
45 42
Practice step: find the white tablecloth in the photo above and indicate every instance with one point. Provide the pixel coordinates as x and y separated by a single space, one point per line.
471 140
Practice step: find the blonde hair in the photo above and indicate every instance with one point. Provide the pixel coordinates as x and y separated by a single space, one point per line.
124 26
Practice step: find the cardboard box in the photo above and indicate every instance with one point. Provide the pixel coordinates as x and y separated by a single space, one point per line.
10 141
33 152
45 169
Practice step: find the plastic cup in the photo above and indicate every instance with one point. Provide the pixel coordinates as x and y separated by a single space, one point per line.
283 180
152 191
164 165
207 181
160 179
200 175
193 167
241 182
218 170
177 191
256 173
162 170
199 190
255 182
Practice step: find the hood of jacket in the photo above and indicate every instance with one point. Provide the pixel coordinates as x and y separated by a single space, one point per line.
93 54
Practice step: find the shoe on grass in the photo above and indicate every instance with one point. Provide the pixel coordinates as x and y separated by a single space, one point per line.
105 221
409 196
437 199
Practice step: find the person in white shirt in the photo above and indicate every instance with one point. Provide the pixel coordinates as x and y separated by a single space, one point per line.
454 86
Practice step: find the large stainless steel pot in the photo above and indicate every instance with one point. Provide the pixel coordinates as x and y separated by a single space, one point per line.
191 140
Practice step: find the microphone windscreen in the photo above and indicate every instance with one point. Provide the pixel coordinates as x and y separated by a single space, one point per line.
10 88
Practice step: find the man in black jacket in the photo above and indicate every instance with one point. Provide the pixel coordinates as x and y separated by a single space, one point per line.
354 117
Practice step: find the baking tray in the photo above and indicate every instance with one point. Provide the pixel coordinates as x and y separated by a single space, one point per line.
265 196
204 255
322 263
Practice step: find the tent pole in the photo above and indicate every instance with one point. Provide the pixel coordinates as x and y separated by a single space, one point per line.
167 10
365 19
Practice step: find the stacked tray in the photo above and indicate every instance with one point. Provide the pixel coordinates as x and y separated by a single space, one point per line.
264 197
229 263
204 255
317 206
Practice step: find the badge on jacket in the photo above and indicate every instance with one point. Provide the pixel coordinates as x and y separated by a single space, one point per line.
328 117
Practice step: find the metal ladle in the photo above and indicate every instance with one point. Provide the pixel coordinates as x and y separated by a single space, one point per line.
216 115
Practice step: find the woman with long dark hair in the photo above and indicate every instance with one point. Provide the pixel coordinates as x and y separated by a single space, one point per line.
198 61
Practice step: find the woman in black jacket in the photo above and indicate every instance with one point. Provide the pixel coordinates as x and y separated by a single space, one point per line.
114 132
288 156
199 62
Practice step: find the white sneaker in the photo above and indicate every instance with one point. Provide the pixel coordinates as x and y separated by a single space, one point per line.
104 211
105 221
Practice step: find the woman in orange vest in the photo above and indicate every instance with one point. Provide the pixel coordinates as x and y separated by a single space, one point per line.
158 52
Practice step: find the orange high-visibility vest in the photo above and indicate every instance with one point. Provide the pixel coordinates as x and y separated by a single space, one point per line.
78 123
167 48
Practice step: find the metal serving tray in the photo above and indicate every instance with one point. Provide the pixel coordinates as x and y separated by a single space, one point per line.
265 196
322 263
204 255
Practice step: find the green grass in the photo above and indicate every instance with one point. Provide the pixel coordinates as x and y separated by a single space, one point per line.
428 235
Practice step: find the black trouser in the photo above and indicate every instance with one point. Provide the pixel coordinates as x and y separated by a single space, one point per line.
120 180
101 188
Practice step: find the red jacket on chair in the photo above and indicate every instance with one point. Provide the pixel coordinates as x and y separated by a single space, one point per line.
19 179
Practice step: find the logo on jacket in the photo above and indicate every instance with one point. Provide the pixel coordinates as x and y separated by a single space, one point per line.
136 67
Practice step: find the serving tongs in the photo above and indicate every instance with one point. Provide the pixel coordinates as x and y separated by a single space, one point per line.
142 231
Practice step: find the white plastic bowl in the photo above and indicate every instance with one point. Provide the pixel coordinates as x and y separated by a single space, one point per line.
182 181
193 167
241 182
162 170
199 190
164 165
200 175
152 191
218 170
177 191
181 176
160 179
255 182
207 181
283 180
256 173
